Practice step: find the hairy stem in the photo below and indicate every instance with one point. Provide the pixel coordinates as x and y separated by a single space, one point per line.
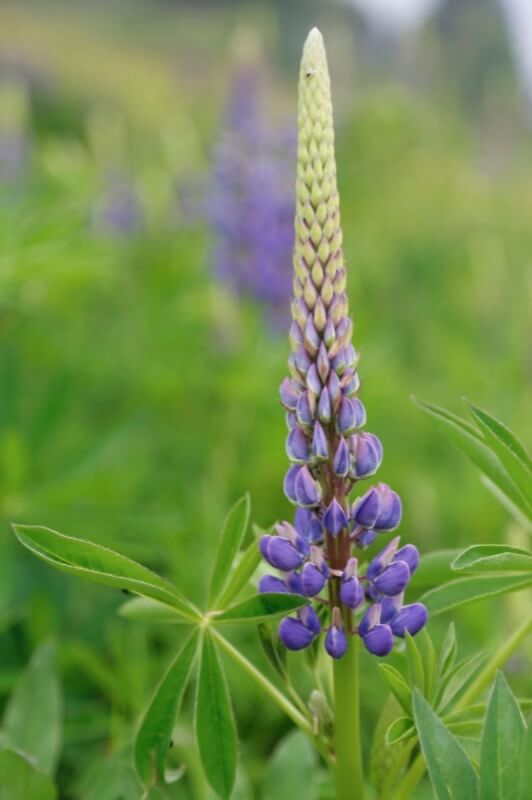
349 771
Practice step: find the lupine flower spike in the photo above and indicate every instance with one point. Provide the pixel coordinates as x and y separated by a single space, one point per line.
328 451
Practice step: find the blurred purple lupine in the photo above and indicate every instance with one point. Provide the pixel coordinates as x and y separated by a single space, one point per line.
119 210
250 201
329 453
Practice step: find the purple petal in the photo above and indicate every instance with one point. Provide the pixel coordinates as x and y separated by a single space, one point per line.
304 410
336 642
294 635
341 459
271 584
320 445
410 618
297 448
335 518
393 579
379 640
312 579
324 406
290 481
351 593
307 490
281 554
289 394
410 554
366 508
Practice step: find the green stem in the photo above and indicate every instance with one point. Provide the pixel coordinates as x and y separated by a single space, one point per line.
349 772
278 697
483 680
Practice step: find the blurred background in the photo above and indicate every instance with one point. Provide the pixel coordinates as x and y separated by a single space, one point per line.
146 172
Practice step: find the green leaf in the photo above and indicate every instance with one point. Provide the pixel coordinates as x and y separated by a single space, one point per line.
155 732
32 719
434 569
494 558
451 772
502 741
526 764
20 781
99 564
292 771
242 573
508 448
416 671
233 532
400 730
145 609
215 725
448 651
276 655
261 607
502 433
473 445
428 655
397 686
456 680
469 590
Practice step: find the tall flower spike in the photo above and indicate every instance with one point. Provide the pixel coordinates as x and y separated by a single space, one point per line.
327 452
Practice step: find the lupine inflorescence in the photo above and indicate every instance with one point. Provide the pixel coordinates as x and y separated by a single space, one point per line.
328 450
250 205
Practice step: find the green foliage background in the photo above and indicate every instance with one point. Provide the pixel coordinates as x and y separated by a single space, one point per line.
138 399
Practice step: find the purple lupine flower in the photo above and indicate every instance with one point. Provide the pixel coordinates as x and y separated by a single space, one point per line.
119 211
250 203
328 450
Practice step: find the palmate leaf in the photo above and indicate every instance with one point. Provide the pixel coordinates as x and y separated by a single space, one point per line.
144 609
494 558
398 686
233 532
502 741
99 564
215 725
32 719
153 738
261 607
472 443
451 773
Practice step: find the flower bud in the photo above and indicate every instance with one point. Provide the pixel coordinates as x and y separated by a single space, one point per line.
382 559
297 448
320 447
390 510
271 584
410 618
324 406
341 459
313 381
280 553
304 413
410 554
290 481
367 455
312 579
336 640
366 509
364 538
379 640
307 490
294 635
351 593
335 518
393 579
289 394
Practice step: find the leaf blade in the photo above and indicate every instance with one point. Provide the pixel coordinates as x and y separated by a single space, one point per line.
471 589
99 564
233 532
215 726
154 734
451 772
501 744
493 558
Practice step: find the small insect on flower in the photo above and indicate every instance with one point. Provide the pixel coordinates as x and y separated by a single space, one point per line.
328 450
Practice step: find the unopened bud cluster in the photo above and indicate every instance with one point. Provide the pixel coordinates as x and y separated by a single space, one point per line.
326 445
